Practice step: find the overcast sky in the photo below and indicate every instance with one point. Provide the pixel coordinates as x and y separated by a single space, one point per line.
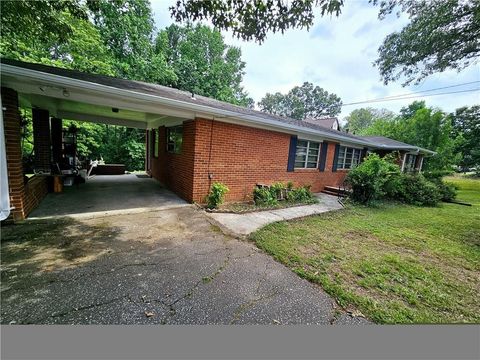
336 54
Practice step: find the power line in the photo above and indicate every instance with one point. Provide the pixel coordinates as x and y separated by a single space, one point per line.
407 97
430 90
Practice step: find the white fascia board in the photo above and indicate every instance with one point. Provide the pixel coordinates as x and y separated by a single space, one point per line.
57 80
218 114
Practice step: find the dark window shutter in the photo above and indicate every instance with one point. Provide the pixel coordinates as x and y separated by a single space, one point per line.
335 157
323 156
291 153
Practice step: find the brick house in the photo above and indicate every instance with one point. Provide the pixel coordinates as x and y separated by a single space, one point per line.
191 141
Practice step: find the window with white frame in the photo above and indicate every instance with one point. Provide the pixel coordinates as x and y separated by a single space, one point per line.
348 157
174 139
410 160
307 154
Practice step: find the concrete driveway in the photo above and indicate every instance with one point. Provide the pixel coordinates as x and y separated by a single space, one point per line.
159 267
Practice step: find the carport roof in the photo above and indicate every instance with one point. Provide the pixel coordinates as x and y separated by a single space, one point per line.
195 104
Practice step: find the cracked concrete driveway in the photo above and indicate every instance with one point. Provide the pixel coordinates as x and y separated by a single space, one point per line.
163 267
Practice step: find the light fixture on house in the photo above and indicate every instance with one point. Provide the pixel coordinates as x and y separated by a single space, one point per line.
115 110
66 93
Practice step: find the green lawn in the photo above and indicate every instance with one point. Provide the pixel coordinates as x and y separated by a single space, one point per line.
395 263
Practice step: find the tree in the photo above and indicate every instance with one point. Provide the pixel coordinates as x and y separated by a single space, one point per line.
466 131
363 118
424 127
302 102
203 63
441 35
251 20
126 28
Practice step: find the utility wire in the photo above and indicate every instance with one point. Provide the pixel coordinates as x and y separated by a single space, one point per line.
410 96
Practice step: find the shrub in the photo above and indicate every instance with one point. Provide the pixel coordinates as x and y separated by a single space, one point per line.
417 190
264 196
216 195
368 180
302 194
447 190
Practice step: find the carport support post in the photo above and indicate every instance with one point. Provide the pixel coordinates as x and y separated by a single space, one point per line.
56 136
41 140
13 148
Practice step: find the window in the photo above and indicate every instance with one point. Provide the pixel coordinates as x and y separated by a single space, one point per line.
410 160
154 143
174 139
348 157
307 154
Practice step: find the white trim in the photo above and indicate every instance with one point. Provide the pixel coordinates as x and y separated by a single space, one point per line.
403 161
132 97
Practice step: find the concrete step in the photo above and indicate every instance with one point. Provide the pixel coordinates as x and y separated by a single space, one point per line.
335 189
333 193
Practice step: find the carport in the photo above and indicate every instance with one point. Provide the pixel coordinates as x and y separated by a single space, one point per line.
54 94
108 195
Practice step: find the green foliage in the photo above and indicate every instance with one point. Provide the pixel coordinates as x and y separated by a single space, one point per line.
466 131
264 196
302 194
253 19
369 179
216 195
270 196
376 178
416 190
424 127
203 63
363 118
441 35
302 102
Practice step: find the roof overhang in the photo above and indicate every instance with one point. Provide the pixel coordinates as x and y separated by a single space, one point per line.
82 100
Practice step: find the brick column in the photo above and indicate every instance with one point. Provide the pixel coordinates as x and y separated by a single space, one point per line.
13 149
56 137
41 140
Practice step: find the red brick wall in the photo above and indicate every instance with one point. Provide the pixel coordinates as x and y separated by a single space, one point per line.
176 170
35 190
242 156
13 149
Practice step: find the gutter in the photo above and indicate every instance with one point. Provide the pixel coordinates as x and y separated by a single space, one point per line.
182 105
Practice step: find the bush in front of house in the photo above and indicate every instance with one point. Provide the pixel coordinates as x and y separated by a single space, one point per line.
265 196
369 180
377 178
301 194
216 195
415 189
271 195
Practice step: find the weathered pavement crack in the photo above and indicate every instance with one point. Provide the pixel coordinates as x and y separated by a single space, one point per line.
245 306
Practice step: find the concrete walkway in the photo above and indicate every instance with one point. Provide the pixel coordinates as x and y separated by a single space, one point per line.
244 224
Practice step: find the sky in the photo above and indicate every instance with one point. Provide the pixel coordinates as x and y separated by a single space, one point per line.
337 54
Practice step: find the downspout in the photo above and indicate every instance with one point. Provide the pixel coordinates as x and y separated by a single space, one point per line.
210 175
4 191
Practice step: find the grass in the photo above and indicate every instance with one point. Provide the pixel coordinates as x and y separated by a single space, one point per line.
395 263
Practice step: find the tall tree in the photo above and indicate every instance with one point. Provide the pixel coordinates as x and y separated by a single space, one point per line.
126 27
203 63
466 130
302 102
424 127
251 20
441 35
361 119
